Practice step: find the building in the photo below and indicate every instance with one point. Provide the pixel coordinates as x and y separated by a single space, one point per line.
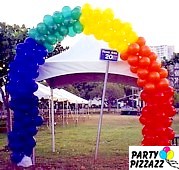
163 51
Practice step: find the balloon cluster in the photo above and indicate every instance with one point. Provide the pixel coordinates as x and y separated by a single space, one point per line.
166 153
104 26
21 86
54 28
157 114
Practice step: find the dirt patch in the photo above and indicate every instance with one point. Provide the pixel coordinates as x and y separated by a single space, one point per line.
72 163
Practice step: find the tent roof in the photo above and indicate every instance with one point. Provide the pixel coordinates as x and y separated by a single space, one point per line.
71 97
59 94
44 92
82 60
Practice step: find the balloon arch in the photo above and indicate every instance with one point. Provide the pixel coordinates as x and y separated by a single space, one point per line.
156 115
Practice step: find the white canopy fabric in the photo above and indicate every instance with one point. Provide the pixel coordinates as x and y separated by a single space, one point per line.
59 94
71 97
81 58
44 92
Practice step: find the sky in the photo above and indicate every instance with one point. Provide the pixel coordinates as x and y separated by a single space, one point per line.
156 20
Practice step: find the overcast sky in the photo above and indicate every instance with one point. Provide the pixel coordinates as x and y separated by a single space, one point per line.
156 20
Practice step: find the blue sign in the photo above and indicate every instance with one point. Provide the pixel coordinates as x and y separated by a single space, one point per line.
110 55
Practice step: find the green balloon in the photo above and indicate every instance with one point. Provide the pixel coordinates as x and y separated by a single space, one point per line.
49 47
78 27
42 28
71 32
68 22
52 39
40 39
48 20
52 28
66 12
76 13
32 33
59 36
58 17
63 30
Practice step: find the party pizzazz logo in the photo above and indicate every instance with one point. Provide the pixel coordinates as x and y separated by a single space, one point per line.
167 154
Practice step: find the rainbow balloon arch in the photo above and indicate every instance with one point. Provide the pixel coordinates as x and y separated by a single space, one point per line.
156 115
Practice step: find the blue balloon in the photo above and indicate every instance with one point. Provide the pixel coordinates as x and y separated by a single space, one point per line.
163 154
16 157
39 121
32 130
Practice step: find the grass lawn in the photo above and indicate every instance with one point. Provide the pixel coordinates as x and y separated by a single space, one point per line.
117 134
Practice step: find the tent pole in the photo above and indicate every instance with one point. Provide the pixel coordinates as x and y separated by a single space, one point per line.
49 114
52 116
63 115
67 113
101 111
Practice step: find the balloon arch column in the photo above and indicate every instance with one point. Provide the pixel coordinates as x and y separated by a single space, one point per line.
157 94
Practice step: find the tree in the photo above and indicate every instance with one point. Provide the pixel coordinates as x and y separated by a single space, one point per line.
10 36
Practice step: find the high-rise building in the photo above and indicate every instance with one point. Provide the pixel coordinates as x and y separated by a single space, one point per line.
163 51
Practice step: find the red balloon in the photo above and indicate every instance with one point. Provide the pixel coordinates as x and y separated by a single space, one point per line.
163 141
147 131
147 97
144 62
168 93
124 56
142 73
153 76
170 133
152 56
148 141
163 73
163 84
150 87
133 69
141 41
141 82
133 48
145 50
133 60
155 66
170 111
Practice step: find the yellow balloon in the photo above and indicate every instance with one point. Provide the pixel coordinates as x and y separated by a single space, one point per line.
86 8
131 37
108 14
122 47
170 155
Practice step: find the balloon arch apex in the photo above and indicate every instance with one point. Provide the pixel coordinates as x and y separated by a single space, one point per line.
156 115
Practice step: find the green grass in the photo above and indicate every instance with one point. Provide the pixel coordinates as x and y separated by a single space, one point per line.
117 134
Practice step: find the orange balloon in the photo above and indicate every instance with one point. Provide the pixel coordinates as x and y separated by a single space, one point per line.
133 60
141 82
144 62
152 56
163 73
124 56
133 48
155 66
141 41
133 69
153 76
163 84
142 73
149 87
145 50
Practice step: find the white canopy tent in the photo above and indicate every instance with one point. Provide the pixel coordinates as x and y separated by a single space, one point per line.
71 97
81 63
44 92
